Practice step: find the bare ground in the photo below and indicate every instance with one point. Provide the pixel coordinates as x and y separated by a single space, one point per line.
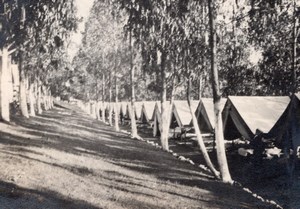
64 159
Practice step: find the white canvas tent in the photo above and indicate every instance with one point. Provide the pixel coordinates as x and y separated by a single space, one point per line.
206 116
137 110
123 107
147 112
245 116
181 115
287 129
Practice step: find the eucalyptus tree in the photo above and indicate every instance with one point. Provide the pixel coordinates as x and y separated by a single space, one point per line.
277 34
148 24
23 22
274 29
191 30
102 44
221 153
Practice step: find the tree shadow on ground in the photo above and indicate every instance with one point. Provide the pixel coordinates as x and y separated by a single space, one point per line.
67 129
270 180
15 197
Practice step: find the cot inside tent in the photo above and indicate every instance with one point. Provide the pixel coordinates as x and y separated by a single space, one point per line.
244 116
147 111
206 116
181 115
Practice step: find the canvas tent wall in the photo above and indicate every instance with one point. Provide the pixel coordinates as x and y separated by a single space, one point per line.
137 110
147 112
181 116
102 106
107 105
288 126
206 116
243 116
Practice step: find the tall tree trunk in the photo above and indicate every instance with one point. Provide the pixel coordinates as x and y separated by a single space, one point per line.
93 109
200 86
173 90
49 98
31 100
294 50
45 98
133 121
164 108
39 97
97 110
103 98
221 152
291 163
116 99
198 133
116 107
4 100
97 103
110 101
23 96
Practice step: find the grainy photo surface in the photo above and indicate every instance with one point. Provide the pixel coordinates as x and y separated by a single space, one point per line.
131 104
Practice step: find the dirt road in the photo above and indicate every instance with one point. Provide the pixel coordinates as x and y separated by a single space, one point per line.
65 159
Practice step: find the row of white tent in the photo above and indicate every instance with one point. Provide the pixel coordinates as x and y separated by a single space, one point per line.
243 116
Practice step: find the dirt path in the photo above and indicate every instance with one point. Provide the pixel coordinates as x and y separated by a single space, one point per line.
64 159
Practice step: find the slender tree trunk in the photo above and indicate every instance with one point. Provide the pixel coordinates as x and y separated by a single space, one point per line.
103 98
291 162
200 87
198 134
31 100
93 109
171 104
97 108
117 107
294 50
164 108
116 99
221 152
39 97
134 132
4 97
50 101
45 98
110 101
23 96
